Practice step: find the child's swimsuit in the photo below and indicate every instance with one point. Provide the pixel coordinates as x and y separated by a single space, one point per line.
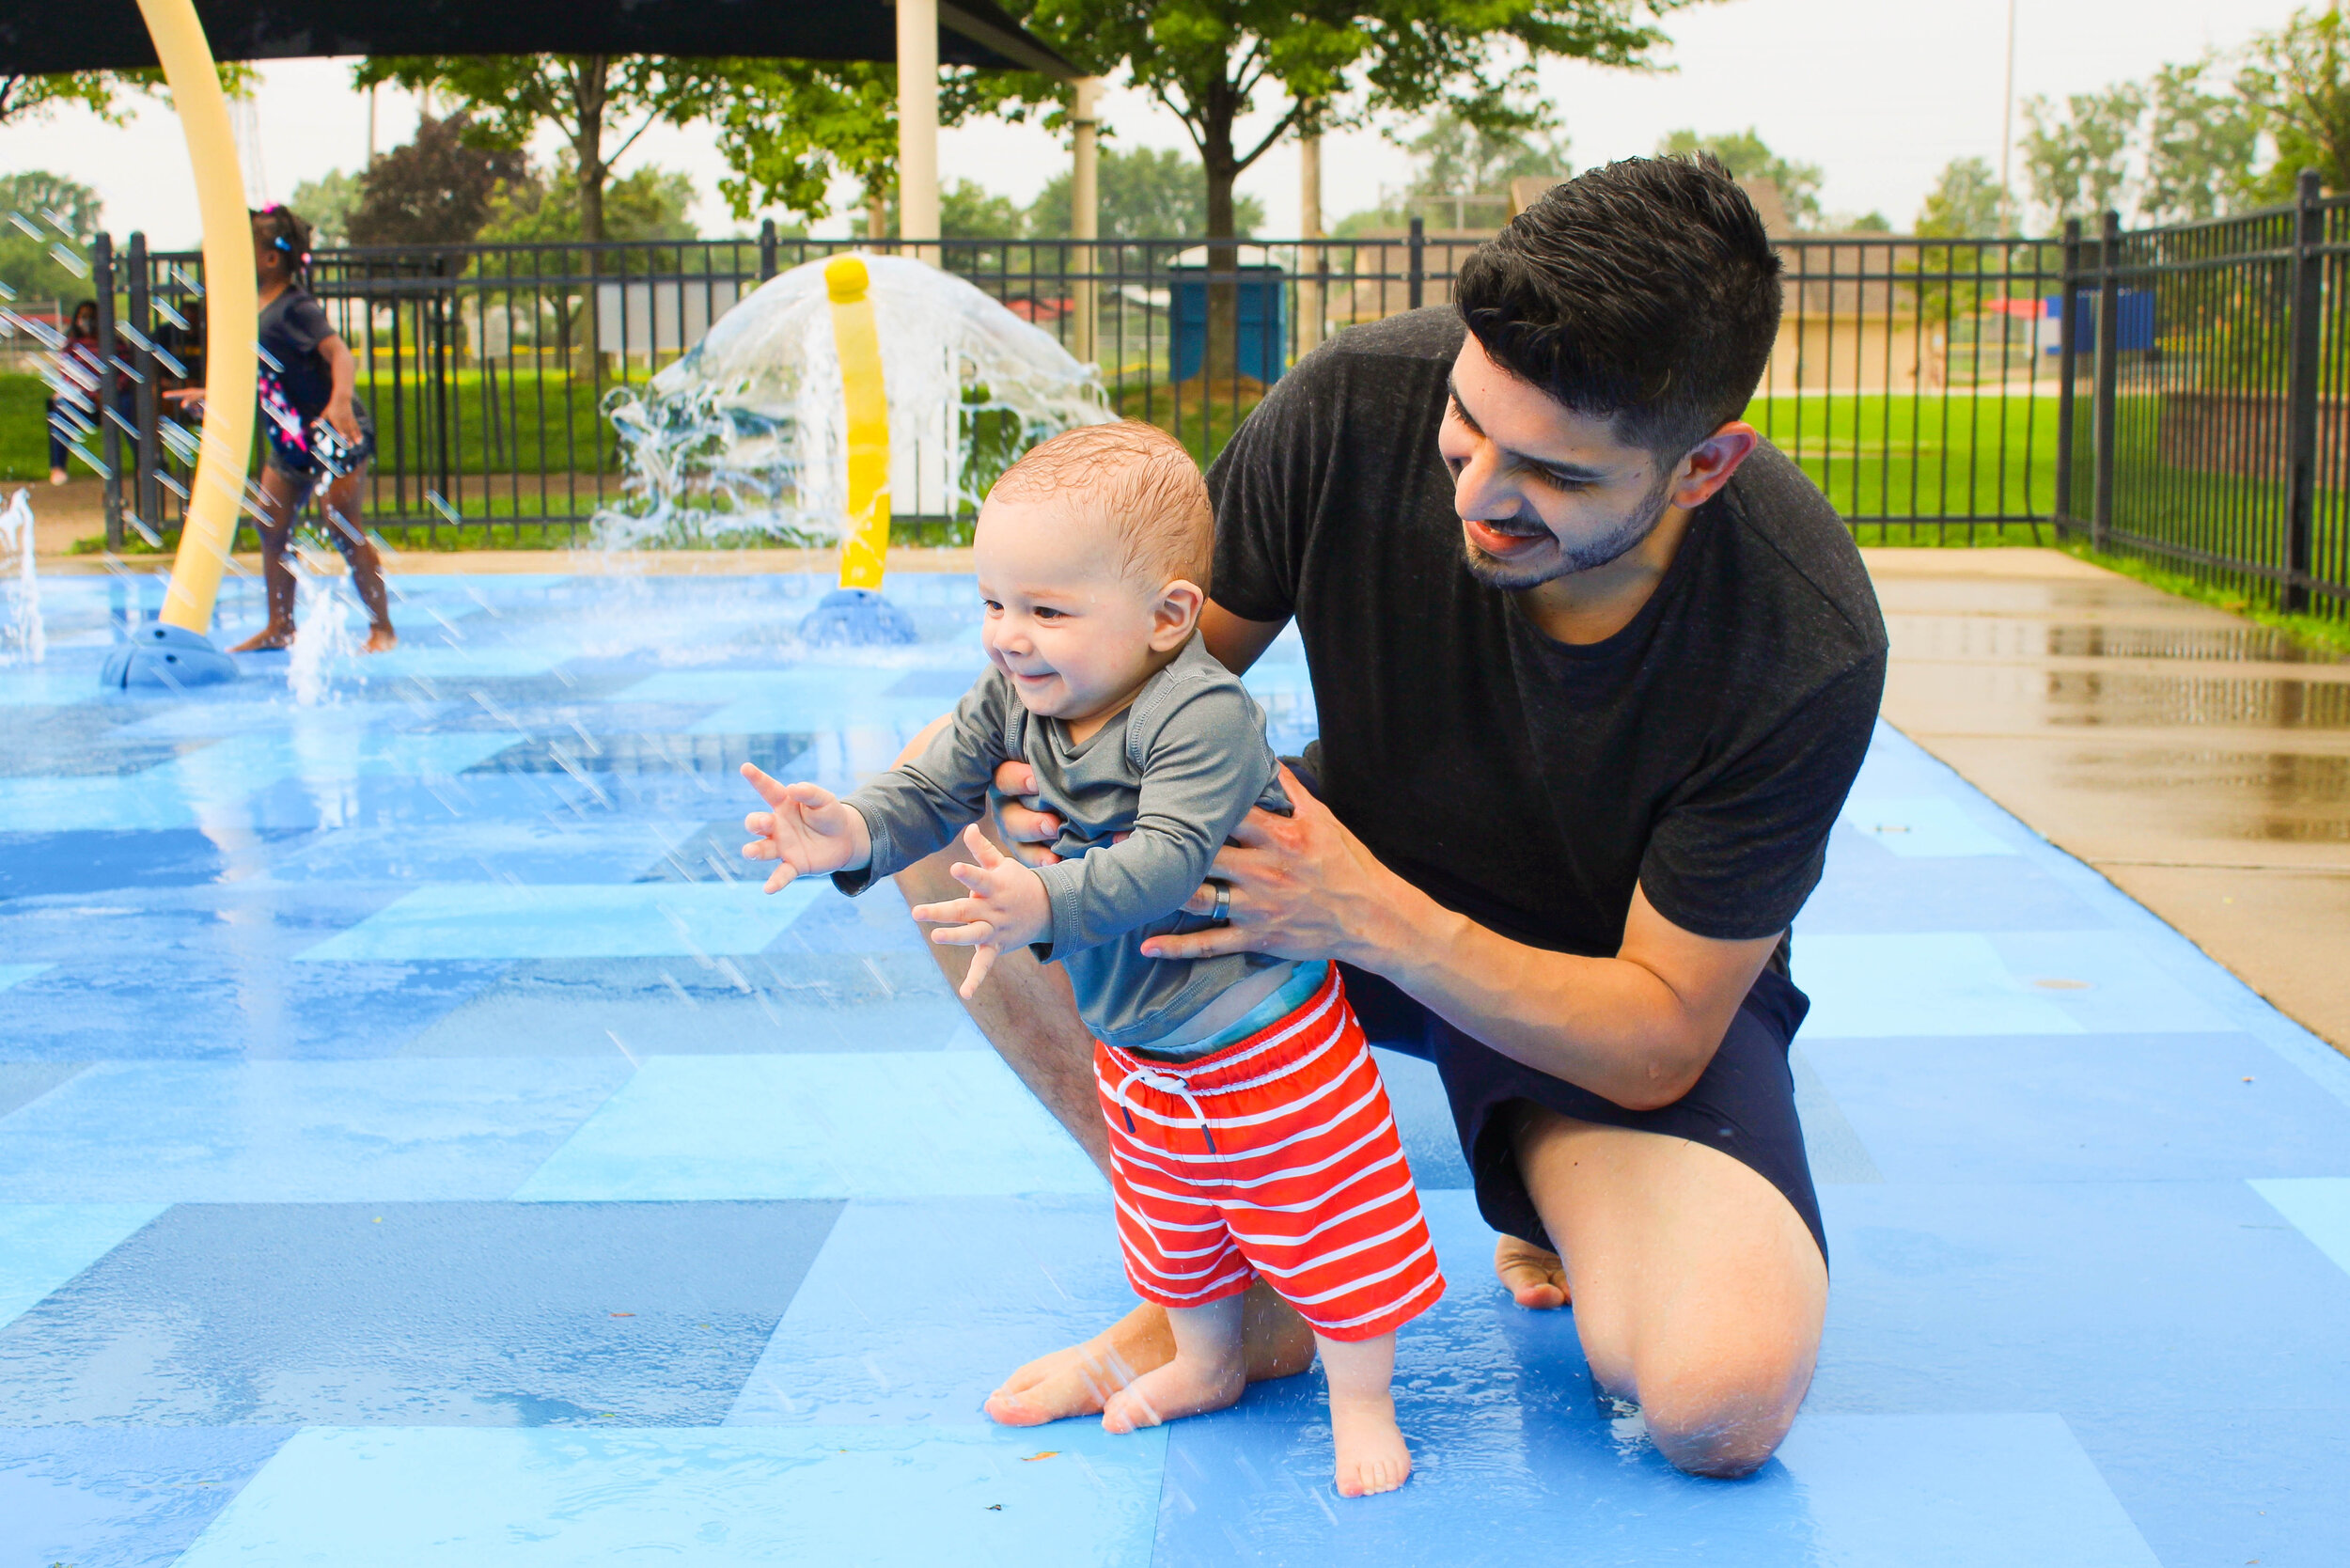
1275 1156
1250 1133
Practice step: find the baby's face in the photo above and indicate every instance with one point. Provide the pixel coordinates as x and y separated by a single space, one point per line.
1078 638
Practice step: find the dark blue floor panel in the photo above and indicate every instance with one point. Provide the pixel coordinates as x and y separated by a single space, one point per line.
499 1314
120 1497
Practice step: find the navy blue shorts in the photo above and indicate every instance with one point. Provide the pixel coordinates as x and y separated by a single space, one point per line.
1743 1104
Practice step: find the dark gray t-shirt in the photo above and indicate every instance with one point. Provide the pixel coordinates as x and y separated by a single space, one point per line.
1702 752
1176 772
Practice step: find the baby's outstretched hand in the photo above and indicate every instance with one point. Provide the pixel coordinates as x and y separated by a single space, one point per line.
1007 908
809 831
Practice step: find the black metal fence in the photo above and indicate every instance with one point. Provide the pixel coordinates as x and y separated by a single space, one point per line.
2188 404
2217 417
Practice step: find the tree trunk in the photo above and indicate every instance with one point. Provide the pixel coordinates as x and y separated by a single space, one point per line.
1219 365
590 95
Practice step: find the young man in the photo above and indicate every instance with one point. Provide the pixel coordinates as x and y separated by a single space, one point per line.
1594 670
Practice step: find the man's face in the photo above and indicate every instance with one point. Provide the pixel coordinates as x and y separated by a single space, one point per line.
1542 491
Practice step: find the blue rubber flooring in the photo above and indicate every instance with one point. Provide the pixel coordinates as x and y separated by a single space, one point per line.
420 1144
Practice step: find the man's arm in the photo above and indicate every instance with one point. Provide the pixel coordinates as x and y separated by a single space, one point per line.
1638 1029
1236 641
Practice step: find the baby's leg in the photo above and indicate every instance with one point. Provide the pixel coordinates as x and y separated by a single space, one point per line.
1206 1374
1372 1452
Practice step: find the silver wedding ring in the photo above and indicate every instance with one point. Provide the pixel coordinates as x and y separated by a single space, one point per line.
1222 915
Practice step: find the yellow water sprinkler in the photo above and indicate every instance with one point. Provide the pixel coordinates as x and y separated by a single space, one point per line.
856 612
173 651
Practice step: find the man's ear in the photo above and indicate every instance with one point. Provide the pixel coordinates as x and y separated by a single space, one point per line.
1708 466
1174 614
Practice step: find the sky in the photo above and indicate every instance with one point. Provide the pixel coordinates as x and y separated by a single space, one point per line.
1880 93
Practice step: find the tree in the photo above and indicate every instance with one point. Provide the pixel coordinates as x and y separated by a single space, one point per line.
789 128
1744 154
1210 61
588 98
1323 65
103 93
967 211
1460 157
647 203
2200 146
2078 158
434 190
1145 194
26 263
2297 81
326 203
1964 202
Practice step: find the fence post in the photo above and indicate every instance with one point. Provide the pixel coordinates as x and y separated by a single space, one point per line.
2309 278
766 249
2108 373
1418 274
2068 370
101 261
145 504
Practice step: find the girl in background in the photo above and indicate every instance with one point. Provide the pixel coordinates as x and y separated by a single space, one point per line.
307 377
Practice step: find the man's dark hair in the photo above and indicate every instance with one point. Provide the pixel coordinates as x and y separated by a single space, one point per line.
1645 292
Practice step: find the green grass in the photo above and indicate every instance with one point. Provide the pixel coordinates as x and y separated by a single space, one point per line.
1878 456
25 431
2319 634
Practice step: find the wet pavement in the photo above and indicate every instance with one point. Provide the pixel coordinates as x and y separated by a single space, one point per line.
419 1147
2200 760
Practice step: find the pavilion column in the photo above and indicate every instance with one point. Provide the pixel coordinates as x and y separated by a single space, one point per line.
917 124
1313 261
1085 215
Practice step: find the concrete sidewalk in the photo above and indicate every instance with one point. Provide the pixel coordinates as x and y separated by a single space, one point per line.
2199 760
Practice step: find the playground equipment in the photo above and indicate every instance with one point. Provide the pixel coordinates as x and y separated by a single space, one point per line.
175 650
838 393
856 612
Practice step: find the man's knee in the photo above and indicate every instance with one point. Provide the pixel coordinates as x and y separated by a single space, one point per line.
1721 1420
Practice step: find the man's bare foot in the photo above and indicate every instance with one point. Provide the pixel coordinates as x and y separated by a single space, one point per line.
1079 1380
381 639
57 476
268 640
1536 1277
1184 1386
1372 1456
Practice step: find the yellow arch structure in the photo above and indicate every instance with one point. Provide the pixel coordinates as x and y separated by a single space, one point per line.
231 314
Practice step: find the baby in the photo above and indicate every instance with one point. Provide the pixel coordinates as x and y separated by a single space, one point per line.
1249 1131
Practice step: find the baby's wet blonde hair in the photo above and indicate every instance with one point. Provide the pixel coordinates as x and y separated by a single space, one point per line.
1136 477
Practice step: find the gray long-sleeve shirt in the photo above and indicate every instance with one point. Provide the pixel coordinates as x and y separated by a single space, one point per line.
1176 771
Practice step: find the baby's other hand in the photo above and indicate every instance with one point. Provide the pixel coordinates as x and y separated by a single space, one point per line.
809 831
1007 908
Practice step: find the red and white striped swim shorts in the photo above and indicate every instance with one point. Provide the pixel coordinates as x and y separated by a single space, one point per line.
1277 1155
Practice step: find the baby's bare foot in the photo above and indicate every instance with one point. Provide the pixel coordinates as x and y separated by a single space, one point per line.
1372 1456
1181 1387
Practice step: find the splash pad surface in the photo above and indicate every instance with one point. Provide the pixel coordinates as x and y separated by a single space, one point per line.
418 1144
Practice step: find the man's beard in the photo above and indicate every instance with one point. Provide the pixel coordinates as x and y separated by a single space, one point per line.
1621 538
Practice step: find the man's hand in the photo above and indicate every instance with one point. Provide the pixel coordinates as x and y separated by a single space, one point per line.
1007 908
1301 888
1026 829
340 415
809 831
